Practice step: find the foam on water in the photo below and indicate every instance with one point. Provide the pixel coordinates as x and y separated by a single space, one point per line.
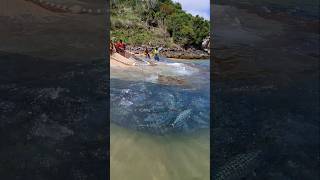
181 69
152 78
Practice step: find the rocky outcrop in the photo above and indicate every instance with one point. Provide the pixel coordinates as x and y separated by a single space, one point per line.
171 80
177 53
190 53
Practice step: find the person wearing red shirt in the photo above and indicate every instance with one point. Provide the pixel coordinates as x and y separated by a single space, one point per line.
121 47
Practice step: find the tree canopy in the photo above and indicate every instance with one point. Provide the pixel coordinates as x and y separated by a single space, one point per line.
184 28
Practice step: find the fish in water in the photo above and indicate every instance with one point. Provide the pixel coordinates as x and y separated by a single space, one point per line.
181 118
239 167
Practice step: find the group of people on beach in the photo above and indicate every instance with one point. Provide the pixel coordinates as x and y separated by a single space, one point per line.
120 47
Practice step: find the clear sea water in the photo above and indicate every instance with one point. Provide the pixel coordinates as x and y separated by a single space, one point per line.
161 132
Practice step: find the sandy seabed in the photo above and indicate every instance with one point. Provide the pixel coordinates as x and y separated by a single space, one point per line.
140 156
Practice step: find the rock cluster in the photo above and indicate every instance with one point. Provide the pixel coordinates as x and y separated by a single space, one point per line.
190 53
177 53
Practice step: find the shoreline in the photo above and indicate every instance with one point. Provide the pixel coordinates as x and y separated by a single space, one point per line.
174 59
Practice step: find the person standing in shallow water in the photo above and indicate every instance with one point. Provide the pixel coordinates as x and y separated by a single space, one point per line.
156 54
146 53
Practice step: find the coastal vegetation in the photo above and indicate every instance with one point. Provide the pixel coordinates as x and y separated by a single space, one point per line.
156 23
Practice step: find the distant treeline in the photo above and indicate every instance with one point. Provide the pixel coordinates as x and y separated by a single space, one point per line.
157 21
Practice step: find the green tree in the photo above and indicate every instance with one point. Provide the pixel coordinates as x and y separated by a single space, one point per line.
201 28
180 28
135 18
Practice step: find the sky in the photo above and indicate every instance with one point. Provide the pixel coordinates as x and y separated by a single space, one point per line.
196 7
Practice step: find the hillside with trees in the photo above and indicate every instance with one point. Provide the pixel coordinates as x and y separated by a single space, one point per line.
156 23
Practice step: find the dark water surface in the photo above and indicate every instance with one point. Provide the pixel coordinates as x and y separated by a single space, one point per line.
266 91
297 8
52 119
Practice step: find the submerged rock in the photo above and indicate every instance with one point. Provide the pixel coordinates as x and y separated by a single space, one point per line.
171 80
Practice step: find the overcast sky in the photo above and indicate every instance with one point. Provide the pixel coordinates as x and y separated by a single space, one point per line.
196 7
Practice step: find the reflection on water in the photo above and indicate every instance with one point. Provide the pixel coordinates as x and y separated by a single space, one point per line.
160 131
